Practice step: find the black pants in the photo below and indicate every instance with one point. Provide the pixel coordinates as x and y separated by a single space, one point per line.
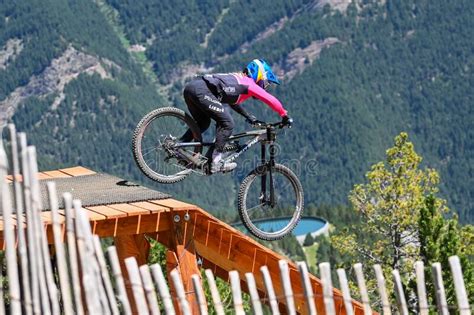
204 106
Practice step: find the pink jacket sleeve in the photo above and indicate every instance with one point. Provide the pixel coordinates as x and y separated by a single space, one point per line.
259 93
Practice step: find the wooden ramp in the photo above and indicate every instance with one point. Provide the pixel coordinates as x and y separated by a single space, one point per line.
191 235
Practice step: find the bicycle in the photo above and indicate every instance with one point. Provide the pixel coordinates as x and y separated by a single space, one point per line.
270 208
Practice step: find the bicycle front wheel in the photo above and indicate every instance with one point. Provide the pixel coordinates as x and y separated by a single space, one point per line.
153 141
265 218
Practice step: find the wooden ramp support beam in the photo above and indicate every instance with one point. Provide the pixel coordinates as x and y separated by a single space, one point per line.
181 255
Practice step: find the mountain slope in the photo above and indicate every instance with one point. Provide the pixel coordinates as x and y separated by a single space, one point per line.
353 77
73 86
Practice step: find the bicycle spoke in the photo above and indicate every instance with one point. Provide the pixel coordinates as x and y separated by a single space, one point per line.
253 208
271 221
150 151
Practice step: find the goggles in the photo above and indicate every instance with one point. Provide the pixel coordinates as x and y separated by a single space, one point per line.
264 84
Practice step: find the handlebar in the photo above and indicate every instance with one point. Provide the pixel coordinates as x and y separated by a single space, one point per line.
265 125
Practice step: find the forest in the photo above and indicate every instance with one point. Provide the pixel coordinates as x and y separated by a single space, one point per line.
397 66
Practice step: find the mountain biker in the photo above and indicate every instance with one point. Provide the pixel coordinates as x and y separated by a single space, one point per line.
210 97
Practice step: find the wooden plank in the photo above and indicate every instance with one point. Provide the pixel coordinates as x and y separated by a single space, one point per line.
93 216
42 175
109 227
129 209
174 204
110 213
10 178
155 222
56 174
77 171
46 216
18 220
150 206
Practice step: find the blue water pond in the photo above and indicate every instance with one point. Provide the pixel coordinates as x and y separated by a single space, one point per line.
305 226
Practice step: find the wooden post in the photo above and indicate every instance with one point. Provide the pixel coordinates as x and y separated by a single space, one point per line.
382 290
181 255
362 288
150 293
254 298
20 210
236 292
399 293
216 299
9 235
59 249
120 286
346 293
30 229
37 228
421 288
461 295
180 294
29 233
137 286
328 297
72 253
131 246
270 290
287 290
308 290
2 301
163 290
439 289
105 276
88 278
201 298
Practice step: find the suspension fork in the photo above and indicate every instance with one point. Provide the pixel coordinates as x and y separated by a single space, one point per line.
272 165
263 161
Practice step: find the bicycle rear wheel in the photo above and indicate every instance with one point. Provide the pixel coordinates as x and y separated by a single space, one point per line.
263 220
153 142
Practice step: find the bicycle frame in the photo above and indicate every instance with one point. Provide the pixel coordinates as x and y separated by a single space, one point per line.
264 136
258 136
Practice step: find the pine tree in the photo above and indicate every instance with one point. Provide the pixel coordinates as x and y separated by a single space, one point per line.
404 221
308 240
441 238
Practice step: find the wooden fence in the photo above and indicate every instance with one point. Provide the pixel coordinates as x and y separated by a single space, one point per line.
81 281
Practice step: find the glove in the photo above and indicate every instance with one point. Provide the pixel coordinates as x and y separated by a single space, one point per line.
287 121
